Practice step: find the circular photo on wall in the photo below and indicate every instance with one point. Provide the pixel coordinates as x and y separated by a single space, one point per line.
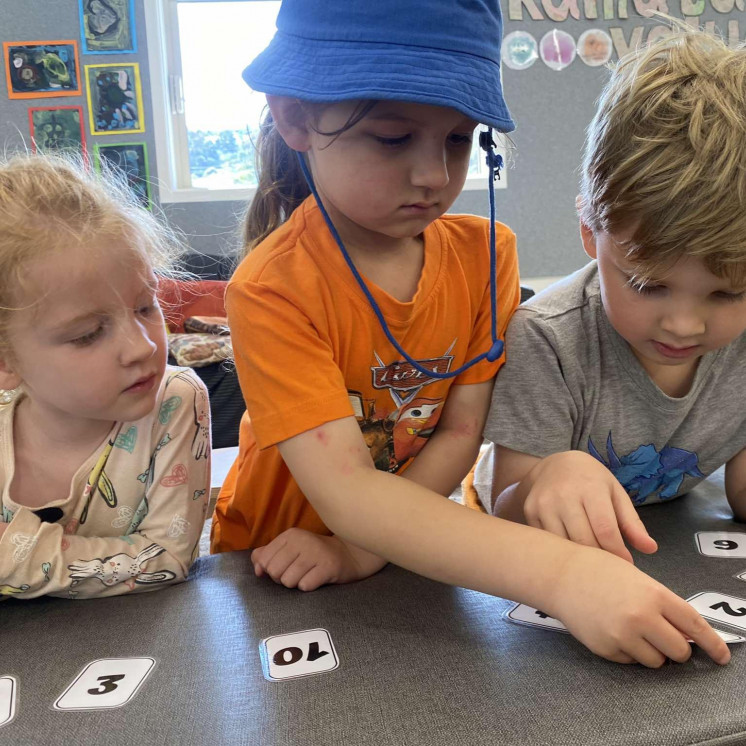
595 47
519 50
557 49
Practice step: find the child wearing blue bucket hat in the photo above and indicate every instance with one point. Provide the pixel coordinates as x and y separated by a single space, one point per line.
367 328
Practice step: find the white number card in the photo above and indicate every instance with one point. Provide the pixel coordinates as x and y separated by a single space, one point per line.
105 683
721 543
297 654
522 614
8 688
719 607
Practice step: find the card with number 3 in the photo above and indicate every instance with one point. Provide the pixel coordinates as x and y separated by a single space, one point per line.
105 683
296 654
8 687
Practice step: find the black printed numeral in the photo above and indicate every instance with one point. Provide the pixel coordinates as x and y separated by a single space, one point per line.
725 606
108 684
725 544
288 656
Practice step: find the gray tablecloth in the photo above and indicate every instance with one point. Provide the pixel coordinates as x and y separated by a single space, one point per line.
420 663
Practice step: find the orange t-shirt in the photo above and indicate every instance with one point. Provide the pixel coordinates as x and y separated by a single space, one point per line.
309 349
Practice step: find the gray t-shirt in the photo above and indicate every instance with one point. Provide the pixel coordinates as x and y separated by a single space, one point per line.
570 382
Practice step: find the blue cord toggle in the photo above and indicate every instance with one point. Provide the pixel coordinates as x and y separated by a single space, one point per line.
494 164
495 351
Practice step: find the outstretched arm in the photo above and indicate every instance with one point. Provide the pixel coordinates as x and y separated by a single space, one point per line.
613 608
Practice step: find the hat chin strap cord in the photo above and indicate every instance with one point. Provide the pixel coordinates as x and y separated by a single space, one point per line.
494 164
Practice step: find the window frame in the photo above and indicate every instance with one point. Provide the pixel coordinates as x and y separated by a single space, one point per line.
167 101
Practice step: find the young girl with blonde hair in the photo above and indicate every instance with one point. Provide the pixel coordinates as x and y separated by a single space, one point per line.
104 449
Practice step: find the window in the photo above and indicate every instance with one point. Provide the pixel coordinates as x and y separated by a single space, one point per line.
197 51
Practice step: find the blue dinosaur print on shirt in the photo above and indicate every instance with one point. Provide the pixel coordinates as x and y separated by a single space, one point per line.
644 471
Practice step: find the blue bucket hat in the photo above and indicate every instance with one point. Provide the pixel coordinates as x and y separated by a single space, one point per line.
440 52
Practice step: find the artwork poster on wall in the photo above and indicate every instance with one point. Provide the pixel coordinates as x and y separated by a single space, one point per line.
42 69
108 26
57 129
131 159
114 98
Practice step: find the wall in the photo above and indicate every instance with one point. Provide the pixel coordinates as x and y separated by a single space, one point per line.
551 109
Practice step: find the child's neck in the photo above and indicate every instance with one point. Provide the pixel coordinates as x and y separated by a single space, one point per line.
673 380
394 267
48 455
42 430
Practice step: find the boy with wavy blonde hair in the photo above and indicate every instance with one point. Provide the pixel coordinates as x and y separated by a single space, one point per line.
624 382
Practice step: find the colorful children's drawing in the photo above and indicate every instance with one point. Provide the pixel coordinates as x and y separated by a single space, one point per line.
114 98
108 26
42 69
131 159
57 128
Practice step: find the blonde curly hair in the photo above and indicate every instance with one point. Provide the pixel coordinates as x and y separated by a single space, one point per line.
49 202
665 155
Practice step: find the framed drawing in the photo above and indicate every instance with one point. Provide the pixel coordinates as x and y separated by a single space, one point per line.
57 128
42 69
114 98
131 158
108 26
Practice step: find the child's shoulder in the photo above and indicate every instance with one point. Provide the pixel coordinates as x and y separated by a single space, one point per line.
566 298
179 381
289 249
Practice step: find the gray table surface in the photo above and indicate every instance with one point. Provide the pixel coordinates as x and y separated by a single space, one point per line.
420 662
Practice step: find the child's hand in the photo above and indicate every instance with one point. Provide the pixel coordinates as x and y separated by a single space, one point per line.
574 496
625 616
304 560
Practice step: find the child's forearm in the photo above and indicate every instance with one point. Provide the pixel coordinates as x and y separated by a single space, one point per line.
444 461
407 525
38 559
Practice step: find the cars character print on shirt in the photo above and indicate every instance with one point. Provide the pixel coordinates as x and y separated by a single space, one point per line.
396 436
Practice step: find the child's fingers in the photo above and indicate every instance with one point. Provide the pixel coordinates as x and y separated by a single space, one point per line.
314 578
630 524
553 524
690 624
603 521
578 526
296 571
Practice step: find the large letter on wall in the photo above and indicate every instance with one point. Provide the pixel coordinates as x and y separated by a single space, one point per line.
648 7
560 12
515 10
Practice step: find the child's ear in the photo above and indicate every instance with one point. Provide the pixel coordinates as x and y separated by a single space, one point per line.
291 121
8 378
587 236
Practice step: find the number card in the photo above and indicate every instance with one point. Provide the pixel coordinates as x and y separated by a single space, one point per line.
721 543
719 607
522 614
8 686
105 683
297 654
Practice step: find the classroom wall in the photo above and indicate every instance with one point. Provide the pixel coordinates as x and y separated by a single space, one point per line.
551 108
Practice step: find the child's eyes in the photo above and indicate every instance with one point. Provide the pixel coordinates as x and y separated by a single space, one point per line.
730 297
392 142
88 339
645 289
460 139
